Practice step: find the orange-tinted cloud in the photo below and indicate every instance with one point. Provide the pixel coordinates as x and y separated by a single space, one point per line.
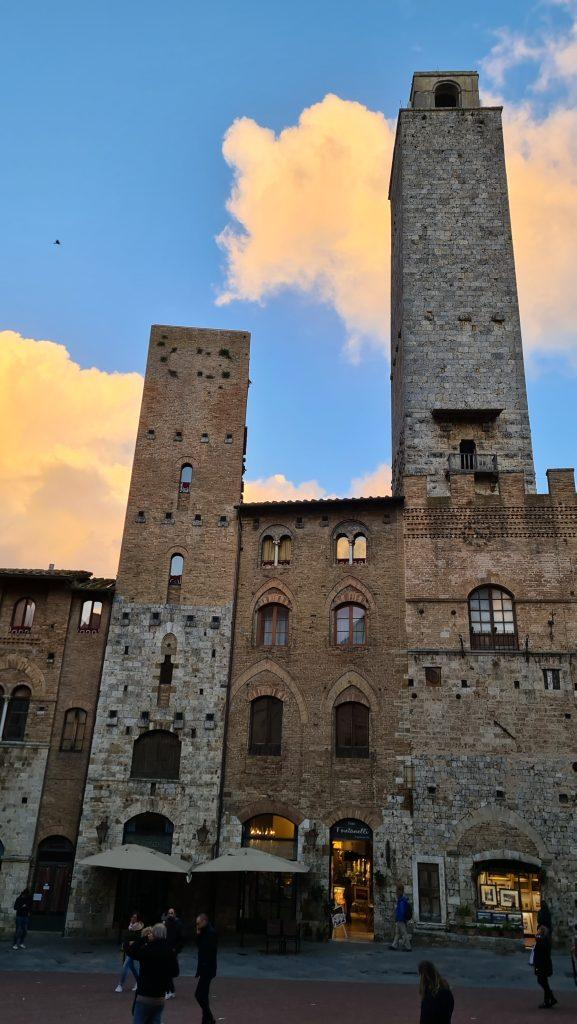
311 213
67 443
375 483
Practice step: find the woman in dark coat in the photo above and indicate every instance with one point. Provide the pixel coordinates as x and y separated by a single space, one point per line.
543 965
437 1001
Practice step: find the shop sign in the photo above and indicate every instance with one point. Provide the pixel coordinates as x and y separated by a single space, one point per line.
351 828
338 918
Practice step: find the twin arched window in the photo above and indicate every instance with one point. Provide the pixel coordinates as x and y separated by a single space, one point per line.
156 755
176 571
14 713
492 619
73 730
351 550
90 617
23 615
351 730
266 726
272 625
350 625
276 551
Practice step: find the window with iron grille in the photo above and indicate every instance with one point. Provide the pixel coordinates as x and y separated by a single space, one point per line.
266 726
552 678
352 730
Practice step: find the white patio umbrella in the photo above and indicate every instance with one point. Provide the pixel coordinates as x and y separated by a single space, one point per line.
247 860
133 857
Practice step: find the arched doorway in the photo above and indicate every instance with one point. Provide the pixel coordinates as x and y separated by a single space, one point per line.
145 891
269 897
351 875
54 859
508 892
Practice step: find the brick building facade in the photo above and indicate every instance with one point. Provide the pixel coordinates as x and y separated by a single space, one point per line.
382 687
53 626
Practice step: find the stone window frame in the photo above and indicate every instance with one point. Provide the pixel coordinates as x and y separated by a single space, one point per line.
272 596
5 709
443 83
513 636
79 718
25 626
422 858
351 529
276 532
348 596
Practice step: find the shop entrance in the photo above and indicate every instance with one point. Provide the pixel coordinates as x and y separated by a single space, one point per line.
351 876
52 883
508 892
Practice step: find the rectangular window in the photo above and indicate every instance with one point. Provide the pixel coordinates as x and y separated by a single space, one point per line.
552 678
429 892
433 676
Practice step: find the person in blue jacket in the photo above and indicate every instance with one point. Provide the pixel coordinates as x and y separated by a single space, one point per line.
403 914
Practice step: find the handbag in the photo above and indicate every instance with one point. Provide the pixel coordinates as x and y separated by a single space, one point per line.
532 957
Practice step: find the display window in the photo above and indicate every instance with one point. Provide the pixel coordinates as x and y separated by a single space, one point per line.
509 892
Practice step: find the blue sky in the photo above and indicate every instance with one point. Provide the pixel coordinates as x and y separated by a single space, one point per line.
113 118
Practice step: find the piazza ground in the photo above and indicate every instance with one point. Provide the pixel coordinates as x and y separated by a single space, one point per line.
65 980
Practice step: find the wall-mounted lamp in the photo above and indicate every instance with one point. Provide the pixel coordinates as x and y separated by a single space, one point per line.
202 833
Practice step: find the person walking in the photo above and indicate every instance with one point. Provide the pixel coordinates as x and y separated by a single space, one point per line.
175 939
206 965
437 1002
543 965
403 914
544 917
133 931
23 907
157 967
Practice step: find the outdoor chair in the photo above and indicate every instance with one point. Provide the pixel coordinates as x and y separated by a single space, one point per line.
273 934
292 933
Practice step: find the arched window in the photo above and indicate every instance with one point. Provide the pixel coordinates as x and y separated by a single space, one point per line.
156 755
73 730
276 550
185 478
272 625
23 616
351 549
350 624
271 834
151 830
266 726
351 730
90 617
17 714
176 571
447 95
492 619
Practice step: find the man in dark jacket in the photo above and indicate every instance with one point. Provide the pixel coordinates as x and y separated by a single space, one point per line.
175 939
544 917
158 966
543 966
206 965
22 906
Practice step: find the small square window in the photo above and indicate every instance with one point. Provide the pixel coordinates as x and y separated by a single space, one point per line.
324 520
145 716
433 675
126 616
140 517
164 359
190 620
228 439
178 435
197 519
464 684
199 373
517 684
410 682
204 438
113 714
300 522
215 622
151 433
223 521
155 617
126 649
552 678
168 517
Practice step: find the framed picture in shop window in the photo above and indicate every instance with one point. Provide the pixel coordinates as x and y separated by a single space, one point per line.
489 895
509 899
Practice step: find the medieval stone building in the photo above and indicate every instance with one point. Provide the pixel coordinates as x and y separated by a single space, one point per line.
382 687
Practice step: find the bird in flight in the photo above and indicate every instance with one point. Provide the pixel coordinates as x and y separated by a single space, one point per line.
56 242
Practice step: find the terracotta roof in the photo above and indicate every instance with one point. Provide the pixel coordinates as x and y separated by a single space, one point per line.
98 583
248 506
46 572
80 579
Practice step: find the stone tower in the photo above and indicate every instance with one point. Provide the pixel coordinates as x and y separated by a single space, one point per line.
459 401
155 766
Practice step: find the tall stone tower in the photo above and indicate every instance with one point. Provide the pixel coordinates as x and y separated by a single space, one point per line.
459 402
155 766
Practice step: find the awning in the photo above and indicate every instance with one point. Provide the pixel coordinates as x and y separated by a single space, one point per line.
132 857
249 859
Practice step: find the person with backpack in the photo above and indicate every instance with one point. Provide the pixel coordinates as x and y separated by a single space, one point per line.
403 914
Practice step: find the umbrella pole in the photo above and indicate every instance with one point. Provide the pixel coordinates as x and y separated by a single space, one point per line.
242 895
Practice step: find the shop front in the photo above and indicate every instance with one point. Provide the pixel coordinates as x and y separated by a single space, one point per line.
508 893
351 876
269 897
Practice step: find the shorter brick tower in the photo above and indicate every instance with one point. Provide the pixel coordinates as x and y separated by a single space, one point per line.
155 767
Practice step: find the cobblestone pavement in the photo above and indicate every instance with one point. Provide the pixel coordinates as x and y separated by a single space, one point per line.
61 998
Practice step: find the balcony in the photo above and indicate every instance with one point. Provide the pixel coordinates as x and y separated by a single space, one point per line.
472 462
494 641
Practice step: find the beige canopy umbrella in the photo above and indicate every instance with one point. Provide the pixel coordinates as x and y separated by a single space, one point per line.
133 857
247 858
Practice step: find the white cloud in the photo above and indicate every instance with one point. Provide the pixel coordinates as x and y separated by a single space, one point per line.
375 483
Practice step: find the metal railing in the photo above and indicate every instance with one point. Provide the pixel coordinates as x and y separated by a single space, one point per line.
472 462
